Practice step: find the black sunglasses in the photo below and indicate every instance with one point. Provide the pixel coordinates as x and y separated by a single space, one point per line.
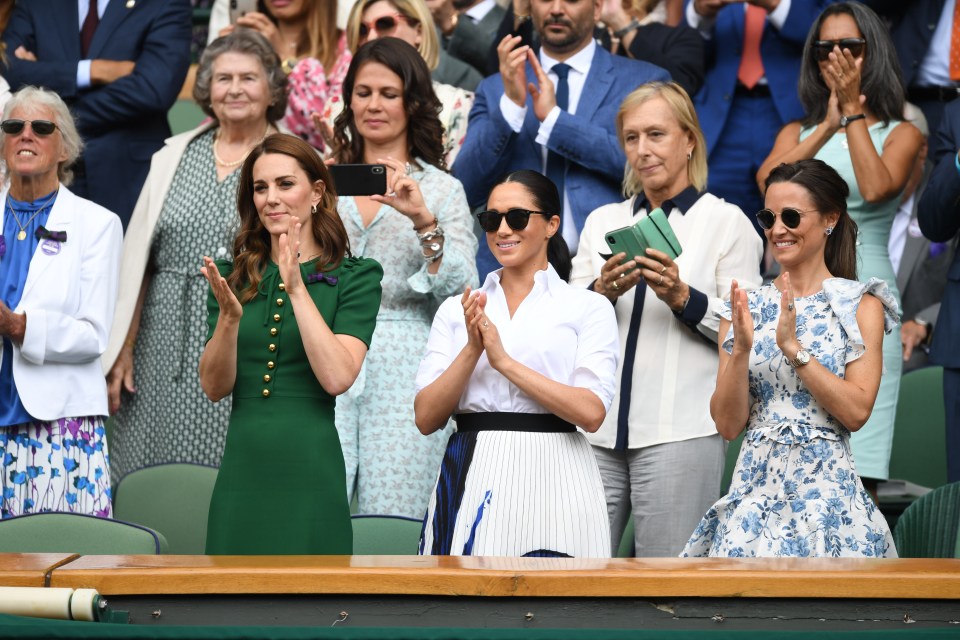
384 25
40 127
790 217
822 48
517 219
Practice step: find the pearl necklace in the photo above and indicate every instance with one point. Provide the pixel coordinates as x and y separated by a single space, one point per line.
220 161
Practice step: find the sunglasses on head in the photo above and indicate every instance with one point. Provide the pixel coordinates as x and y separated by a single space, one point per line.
383 24
790 217
40 127
822 48
517 219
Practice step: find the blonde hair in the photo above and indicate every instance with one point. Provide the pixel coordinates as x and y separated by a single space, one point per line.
682 107
416 13
322 33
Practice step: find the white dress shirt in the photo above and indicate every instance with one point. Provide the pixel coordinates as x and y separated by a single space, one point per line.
480 10
934 70
83 67
568 334
675 369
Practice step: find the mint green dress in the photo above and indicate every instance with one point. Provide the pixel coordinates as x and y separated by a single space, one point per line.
281 487
873 442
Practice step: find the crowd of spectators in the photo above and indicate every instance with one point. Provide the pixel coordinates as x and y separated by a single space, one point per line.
784 141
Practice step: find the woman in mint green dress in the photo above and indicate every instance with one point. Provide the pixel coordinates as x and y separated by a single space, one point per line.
290 322
851 88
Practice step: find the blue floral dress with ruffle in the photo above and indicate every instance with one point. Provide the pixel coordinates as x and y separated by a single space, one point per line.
795 490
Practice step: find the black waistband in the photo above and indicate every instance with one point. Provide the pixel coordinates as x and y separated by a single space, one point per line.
938 94
758 91
505 421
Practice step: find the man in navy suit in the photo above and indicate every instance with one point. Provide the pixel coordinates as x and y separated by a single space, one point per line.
939 217
119 65
518 119
745 101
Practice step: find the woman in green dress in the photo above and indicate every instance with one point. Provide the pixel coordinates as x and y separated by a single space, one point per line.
290 321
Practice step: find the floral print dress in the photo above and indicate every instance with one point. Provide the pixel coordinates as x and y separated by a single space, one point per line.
795 490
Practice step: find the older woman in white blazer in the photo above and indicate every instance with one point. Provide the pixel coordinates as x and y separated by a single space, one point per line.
658 450
59 262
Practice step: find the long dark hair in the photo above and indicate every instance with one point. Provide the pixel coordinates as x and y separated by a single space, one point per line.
251 248
829 193
880 78
547 199
424 130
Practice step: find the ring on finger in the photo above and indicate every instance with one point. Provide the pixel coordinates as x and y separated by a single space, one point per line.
485 324
615 285
663 268
790 306
661 280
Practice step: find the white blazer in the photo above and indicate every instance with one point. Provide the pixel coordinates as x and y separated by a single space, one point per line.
68 299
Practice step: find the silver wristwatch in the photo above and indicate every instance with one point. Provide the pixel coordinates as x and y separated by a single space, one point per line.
802 358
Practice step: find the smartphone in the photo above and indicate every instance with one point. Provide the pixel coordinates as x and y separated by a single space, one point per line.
652 231
241 7
359 179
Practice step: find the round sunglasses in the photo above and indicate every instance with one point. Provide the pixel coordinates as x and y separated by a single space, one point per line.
383 25
40 127
790 217
517 219
822 48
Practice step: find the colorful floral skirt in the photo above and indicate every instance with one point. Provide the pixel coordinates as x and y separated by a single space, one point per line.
61 465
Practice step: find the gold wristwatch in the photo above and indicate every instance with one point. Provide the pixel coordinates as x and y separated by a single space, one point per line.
288 65
802 358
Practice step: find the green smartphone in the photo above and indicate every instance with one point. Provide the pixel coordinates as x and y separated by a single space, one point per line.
652 231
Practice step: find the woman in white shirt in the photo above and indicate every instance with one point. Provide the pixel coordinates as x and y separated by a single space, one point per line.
519 363
658 450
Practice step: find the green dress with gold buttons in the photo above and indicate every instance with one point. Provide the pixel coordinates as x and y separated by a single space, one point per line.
281 487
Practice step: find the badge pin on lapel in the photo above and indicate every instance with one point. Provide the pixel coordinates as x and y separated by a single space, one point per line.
131 3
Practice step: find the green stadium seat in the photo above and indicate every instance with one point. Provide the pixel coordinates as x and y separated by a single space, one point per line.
77 533
375 535
929 527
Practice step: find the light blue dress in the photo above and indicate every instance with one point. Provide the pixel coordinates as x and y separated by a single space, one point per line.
392 465
795 490
874 441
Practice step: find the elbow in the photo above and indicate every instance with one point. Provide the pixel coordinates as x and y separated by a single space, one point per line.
855 421
592 422
427 422
876 196
213 395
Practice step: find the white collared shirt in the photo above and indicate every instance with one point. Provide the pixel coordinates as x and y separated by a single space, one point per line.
480 10
83 66
566 333
934 70
675 370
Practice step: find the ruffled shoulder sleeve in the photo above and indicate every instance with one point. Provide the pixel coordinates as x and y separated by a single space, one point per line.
359 298
844 297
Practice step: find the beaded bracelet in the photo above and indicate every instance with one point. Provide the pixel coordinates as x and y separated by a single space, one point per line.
426 226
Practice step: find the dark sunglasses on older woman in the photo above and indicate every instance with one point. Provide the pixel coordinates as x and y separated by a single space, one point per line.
40 127
790 217
822 48
517 219
383 25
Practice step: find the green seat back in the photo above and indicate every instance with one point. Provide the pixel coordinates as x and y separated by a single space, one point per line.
733 452
76 533
928 528
173 499
386 535
919 436
185 115
627 548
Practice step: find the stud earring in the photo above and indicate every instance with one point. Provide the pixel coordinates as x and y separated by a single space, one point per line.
828 231
313 209
689 156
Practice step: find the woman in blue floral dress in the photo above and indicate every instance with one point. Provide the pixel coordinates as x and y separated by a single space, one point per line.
800 367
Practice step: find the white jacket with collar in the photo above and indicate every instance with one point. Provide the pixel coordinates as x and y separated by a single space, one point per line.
69 299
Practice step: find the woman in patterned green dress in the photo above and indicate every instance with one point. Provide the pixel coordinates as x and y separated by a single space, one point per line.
187 209
290 322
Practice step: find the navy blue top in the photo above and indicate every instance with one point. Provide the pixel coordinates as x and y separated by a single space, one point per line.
14 265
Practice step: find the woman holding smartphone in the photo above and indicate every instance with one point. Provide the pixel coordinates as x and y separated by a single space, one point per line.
421 231
520 363
658 450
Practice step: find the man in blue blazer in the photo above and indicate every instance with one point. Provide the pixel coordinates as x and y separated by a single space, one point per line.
138 52
519 128
739 122
939 217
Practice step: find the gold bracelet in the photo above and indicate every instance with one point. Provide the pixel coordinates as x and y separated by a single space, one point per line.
426 226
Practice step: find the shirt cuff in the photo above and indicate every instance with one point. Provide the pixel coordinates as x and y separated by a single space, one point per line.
778 16
546 127
698 22
83 74
513 114
694 310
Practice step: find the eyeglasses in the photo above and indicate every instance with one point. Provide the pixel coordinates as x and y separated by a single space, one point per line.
822 48
790 217
517 219
383 24
40 127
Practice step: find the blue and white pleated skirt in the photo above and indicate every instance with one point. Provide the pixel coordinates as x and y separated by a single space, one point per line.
517 493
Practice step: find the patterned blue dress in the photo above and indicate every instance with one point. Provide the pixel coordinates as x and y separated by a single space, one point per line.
795 490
